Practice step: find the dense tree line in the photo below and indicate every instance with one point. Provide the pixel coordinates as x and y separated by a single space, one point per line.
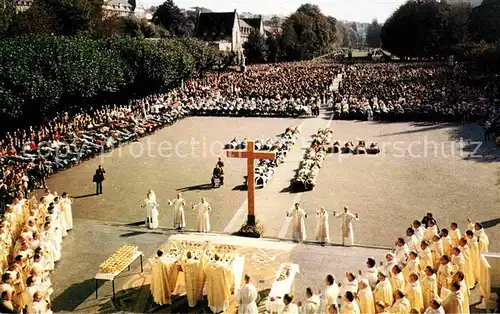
64 55
305 34
425 29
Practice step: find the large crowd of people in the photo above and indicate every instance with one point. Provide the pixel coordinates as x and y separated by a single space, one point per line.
416 92
430 270
31 234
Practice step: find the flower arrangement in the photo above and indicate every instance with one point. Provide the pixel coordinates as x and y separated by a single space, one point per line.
250 231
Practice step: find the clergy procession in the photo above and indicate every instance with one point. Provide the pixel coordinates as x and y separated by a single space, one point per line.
430 270
31 236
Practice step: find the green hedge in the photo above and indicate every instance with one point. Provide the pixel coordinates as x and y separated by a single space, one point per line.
42 76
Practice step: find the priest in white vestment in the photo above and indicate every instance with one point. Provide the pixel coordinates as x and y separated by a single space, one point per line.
455 234
311 305
401 305
66 204
289 308
151 207
331 293
179 218
346 226
247 297
383 290
370 273
482 238
204 210
349 306
298 223
322 230
219 282
429 286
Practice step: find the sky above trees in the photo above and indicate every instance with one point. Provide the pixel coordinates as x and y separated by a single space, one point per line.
351 10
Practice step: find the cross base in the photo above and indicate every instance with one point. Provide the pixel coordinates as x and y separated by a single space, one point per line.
251 220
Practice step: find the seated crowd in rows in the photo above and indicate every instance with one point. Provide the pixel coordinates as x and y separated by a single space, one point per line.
430 271
416 92
31 234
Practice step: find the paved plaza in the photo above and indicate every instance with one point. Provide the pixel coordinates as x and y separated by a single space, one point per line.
420 169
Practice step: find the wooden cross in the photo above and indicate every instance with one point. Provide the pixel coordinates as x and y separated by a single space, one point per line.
250 156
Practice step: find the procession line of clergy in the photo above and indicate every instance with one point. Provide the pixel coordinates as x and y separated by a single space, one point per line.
179 220
200 274
298 216
418 277
31 235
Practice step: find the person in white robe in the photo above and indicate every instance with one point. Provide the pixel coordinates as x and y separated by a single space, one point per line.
247 297
204 210
322 230
49 243
151 207
66 204
401 251
49 197
40 306
370 273
346 226
419 230
179 219
298 223
350 283
331 293
482 238
60 217
312 303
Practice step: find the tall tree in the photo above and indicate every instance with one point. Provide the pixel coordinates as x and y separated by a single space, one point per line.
7 14
256 50
373 34
173 20
485 21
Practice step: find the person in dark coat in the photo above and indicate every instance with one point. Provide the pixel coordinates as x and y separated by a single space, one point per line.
98 178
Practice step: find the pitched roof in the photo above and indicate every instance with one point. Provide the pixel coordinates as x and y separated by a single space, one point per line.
244 24
215 25
253 22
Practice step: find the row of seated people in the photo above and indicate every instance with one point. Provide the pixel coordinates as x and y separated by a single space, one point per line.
31 234
430 271
306 177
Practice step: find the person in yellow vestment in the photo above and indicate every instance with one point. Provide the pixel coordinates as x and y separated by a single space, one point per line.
365 297
429 286
444 273
452 301
401 305
436 250
397 280
425 255
413 292
380 307
383 290
455 234
219 281
194 278
474 254
460 279
163 278
447 241
468 266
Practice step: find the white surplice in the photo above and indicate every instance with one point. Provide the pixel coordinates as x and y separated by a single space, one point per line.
246 298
